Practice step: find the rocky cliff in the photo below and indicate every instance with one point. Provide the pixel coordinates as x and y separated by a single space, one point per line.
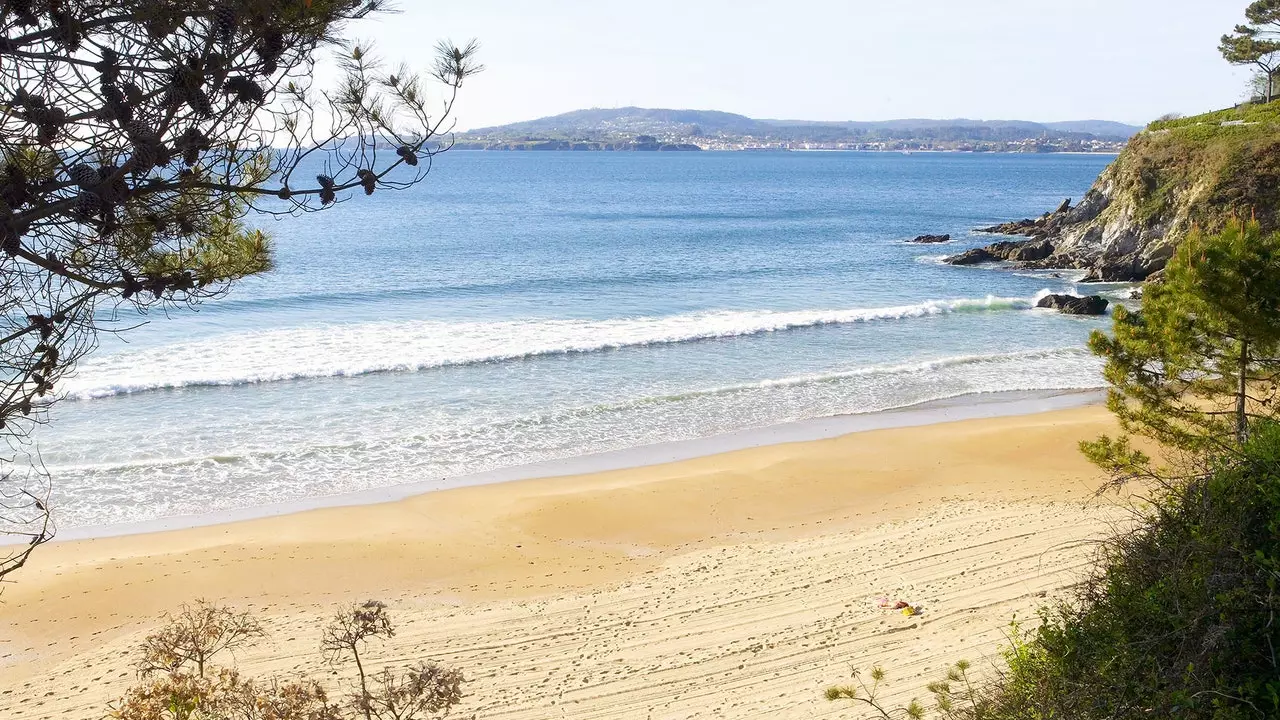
1174 176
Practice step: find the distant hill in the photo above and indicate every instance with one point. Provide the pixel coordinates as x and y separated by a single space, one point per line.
599 123
1100 128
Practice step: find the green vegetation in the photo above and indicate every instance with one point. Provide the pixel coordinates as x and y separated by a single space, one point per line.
1199 172
1250 113
1257 43
1179 617
1179 621
1199 363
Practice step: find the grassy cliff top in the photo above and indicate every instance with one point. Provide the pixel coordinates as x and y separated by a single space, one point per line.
1201 170
1246 114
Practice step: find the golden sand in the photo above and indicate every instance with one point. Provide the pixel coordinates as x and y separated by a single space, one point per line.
731 586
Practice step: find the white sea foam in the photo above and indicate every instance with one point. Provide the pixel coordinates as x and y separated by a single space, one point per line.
241 466
363 348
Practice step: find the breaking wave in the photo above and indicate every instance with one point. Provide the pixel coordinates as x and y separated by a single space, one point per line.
379 347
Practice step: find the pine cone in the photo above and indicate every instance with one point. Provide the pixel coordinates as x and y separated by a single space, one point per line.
245 90
270 48
368 180
224 22
13 186
88 205
10 241
131 286
191 143
138 130
37 114
22 8
115 106
85 177
145 157
68 30
325 181
132 93
108 66
164 154
407 155
117 189
327 196
199 101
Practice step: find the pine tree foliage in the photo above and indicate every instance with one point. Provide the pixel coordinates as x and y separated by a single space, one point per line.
136 136
1257 42
1200 362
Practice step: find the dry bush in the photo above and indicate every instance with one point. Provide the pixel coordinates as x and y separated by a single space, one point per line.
179 681
197 633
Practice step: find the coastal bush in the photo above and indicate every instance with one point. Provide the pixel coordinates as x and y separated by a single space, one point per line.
957 696
178 681
1178 619
1199 363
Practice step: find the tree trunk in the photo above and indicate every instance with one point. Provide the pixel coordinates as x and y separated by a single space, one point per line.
364 686
1242 416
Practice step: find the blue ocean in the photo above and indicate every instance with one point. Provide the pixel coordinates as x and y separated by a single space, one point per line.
523 307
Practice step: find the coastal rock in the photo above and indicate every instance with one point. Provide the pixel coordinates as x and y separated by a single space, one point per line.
1027 252
1017 227
1072 305
1011 250
930 239
1175 177
971 257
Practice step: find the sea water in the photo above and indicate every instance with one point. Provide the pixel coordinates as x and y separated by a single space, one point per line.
522 307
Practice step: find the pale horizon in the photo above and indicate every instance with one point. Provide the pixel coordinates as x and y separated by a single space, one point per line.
827 61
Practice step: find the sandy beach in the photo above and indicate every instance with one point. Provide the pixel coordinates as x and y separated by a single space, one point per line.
737 585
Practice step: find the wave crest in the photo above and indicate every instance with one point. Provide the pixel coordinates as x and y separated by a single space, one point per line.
380 347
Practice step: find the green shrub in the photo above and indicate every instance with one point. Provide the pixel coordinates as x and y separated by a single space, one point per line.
1179 621
1208 171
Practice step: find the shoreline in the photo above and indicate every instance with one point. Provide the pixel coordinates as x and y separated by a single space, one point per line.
972 406
618 593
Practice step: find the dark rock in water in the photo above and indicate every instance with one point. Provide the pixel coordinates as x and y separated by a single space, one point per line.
1040 227
1017 227
930 239
1072 305
1115 270
1012 250
971 257
1027 252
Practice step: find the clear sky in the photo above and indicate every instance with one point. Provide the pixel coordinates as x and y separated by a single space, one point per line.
1126 60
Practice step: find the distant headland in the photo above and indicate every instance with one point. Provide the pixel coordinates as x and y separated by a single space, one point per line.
645 129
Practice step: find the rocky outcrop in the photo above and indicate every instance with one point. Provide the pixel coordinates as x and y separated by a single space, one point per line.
1010 250
930 239
1175 176
1037 228
1072 305
1030 251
